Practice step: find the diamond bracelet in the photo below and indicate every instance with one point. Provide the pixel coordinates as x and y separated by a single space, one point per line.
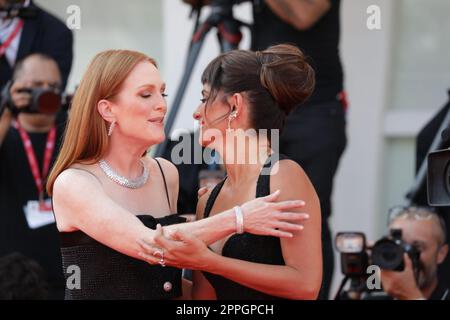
239 220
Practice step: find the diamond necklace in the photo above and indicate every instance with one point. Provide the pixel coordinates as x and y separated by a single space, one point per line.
123 181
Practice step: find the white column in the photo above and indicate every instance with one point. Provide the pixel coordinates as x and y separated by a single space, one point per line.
366 55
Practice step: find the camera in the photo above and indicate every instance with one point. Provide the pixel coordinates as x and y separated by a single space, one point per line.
387 253
437 165
438 178
354 257
42 100
357 258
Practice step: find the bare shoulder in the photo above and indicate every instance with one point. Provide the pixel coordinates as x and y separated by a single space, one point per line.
73 188
288 170
170 171
291 179
171 177
166 164
73 180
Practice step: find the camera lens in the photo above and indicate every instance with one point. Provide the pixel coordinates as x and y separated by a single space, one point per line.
388 255
48 102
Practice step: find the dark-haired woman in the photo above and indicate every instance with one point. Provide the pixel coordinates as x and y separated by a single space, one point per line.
246 97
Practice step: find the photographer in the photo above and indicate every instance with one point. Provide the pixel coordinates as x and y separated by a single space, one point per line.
30 29
426 231
29 141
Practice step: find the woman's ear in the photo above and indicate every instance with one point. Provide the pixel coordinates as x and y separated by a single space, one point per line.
104 107
237 102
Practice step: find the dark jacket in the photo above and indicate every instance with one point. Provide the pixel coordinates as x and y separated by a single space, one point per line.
46 34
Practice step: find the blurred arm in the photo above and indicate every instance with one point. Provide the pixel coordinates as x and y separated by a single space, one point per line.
5 122
301 14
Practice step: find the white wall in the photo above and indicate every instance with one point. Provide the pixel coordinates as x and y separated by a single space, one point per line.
365 55
111 24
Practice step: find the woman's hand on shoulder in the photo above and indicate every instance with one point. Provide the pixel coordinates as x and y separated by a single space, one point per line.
272 217
292 181
290 178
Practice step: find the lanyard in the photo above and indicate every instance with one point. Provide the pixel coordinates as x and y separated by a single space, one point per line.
10 38
49 147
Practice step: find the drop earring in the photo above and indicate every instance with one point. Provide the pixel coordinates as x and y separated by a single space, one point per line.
111 128
232 116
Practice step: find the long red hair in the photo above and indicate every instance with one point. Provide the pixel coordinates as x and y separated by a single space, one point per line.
86 135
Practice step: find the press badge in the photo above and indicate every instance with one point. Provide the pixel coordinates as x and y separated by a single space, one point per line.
39 214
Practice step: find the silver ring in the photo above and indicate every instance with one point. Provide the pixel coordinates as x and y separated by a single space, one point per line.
161 261
159 253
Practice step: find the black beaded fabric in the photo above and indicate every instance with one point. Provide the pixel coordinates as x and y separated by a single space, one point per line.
246 246
107 274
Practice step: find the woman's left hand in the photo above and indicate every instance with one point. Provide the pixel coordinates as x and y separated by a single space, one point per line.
177 249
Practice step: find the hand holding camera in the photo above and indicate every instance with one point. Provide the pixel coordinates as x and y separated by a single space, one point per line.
398 261
22 96
401 285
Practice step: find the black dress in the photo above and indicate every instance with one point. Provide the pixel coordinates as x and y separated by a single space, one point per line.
246 246
109 274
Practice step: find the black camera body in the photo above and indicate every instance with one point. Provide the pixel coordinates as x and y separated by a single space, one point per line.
436 167
438 178
44 101
357 258
388 252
